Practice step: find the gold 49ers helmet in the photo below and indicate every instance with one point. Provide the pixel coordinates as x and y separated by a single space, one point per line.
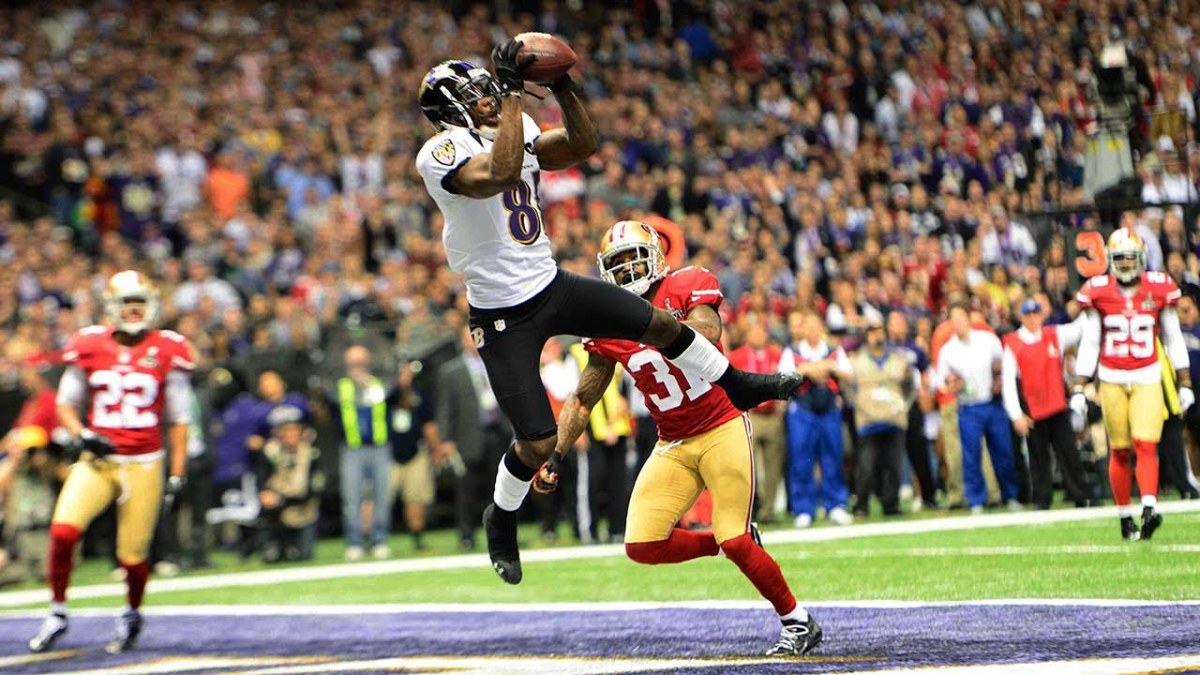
631 257
130 302
1126 255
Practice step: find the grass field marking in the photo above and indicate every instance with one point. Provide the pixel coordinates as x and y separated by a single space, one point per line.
1122 666
973 551
585 607
26 659
184 664
480 560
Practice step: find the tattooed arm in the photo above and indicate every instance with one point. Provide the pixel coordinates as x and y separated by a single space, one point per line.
573 419
704 320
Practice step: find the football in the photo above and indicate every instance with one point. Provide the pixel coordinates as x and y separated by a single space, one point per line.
553 57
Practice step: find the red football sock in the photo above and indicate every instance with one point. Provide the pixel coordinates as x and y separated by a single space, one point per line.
135 578
1147 467
762 571
1120 475
680 546
62 550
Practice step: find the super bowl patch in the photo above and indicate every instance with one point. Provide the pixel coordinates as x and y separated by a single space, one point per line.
445 152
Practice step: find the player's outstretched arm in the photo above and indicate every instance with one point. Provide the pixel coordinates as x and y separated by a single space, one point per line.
490 173
576 140
573 419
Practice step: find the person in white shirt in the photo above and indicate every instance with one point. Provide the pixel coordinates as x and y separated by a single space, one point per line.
814 422
482 169
969 367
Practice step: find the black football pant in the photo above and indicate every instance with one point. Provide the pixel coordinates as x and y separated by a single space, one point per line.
917 447
878 468
1056 432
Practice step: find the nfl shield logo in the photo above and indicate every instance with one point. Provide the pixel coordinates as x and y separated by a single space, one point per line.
500 325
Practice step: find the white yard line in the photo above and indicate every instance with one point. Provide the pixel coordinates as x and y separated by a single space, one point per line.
479 560
578 607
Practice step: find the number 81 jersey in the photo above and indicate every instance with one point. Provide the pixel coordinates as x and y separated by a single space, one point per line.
681 406
126 383
498 243
1129 325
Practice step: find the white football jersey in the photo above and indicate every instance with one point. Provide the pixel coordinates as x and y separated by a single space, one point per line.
499 244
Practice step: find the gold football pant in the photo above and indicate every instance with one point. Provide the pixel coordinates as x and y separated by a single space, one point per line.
1132 412
721 460
137 487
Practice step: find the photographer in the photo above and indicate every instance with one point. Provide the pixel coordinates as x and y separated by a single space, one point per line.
30 475
291 483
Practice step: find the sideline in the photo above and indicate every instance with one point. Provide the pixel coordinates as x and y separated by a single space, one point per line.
587 607
370 569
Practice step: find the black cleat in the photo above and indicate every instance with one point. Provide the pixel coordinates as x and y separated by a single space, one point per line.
756 535
797 639
1151 520
748 390
1129 531
500 528
129 626
53 628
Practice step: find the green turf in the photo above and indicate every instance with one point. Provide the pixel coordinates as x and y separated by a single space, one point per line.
889 567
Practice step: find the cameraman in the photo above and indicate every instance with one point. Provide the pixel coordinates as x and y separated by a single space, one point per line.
1119 88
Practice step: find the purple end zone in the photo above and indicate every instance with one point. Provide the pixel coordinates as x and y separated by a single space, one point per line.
871 638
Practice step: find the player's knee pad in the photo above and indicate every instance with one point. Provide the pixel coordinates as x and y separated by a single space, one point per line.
646 552
64 533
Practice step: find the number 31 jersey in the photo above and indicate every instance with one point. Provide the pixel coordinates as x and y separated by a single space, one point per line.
681 406
1129 325
126 383
499 244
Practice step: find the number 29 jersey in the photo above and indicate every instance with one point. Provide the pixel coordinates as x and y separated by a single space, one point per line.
1129 325
126 384
681 406
499 244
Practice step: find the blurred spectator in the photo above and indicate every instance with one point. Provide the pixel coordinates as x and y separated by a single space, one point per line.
1035 398
366 458
291 485
920 413
814 421
969 368
757 355
413 434
30 474
884 385
471 427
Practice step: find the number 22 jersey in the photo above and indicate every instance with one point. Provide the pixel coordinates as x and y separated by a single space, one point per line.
681 406
1129 325
126 384
499 243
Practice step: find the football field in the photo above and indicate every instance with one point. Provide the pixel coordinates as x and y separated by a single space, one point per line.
1053 592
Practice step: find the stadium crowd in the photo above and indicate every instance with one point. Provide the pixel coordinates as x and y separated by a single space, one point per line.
842 168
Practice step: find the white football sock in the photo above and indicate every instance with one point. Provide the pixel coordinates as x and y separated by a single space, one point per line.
510 490
1125 511
58 608
1150 500
798 614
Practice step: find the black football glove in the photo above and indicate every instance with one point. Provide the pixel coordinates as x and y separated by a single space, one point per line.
90 441
172 490
546 480
510 67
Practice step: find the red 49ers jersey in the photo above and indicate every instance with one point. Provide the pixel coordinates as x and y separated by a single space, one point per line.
682 406
1129 324
126 383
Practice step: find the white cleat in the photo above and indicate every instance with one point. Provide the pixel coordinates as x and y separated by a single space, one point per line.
53 628
840 516
802 521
